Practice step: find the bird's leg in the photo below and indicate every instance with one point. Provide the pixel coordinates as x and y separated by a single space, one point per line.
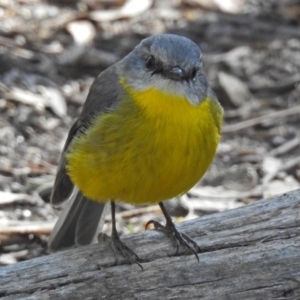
179 238
118 246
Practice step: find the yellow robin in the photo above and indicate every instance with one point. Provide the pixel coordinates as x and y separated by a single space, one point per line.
148 132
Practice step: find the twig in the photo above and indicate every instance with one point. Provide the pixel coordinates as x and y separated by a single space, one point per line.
259 120
136 212
37 228
7 198
286 147
290 164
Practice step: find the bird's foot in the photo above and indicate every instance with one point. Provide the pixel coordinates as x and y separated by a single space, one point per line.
121 249
179 238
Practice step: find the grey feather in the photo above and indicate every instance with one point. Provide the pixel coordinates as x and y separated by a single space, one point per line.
78 222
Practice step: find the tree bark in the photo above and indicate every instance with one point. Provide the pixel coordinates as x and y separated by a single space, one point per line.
252 252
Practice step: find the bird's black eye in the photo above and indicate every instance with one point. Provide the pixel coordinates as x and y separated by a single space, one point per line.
194 73
150 64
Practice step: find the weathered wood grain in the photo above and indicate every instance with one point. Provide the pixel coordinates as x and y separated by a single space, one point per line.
251 252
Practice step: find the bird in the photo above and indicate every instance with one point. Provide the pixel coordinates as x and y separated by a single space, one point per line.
148 132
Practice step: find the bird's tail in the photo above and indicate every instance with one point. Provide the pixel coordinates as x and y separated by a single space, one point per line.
78 223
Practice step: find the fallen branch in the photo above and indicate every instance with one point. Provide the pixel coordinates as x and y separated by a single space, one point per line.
247 253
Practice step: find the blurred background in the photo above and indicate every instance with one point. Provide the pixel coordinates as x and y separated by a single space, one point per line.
50 53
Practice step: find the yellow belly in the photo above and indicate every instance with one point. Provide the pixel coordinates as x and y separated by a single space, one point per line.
153 147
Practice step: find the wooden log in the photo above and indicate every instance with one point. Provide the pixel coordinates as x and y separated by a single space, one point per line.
252 252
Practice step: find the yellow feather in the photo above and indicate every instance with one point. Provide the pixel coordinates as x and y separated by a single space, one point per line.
153 147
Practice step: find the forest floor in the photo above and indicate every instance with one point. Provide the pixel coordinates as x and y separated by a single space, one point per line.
50 53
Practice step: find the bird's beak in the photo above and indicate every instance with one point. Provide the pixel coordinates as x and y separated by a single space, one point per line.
175 73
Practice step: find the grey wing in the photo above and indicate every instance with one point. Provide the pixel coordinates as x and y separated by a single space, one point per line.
63 185
103 96
81 217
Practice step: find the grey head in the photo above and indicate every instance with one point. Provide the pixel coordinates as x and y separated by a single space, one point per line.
167 62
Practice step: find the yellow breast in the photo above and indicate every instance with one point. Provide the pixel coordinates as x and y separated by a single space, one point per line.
153 147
